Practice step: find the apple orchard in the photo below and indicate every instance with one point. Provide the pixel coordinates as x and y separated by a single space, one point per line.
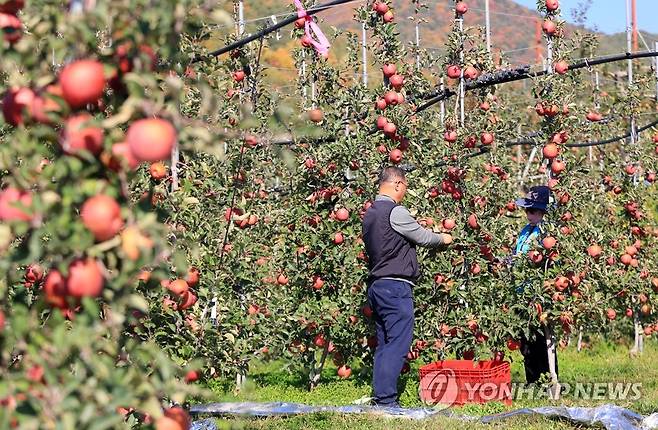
170 215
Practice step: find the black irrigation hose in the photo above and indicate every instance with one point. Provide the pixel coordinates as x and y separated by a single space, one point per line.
613 139
484 149
264 32
523 72
505 76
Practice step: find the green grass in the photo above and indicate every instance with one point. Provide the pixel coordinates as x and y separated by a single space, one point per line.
605 362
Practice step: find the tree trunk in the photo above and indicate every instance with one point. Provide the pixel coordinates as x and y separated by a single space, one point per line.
554 390
240 380
316 371
579 345
638 347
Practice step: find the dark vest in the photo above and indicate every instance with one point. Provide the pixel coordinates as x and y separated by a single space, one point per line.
389 253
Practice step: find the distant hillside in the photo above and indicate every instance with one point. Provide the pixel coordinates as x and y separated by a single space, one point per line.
513 27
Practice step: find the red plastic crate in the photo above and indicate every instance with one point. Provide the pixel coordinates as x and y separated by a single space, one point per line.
457 382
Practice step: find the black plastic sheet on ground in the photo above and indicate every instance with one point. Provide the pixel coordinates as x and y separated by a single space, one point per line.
610 417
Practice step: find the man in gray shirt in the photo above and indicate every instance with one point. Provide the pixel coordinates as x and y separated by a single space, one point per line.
391 234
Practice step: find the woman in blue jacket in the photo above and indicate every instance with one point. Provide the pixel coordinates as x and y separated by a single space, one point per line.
535 351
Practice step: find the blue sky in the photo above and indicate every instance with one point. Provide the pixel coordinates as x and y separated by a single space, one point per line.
609 16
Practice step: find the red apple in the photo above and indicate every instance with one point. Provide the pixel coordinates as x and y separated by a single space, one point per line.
454 72
85 278
450 136
342 214
15 101
178 287
389 70
380 7
487 138
594 116
552 5
238 75
594 251
549 27
396 81
101 215
11 6
82 82
561 67
473 222
13 203
449 223
549 242
471 72
395 156
316 115
79 134
151 139
550 151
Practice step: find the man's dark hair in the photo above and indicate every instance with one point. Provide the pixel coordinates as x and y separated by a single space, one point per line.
391 173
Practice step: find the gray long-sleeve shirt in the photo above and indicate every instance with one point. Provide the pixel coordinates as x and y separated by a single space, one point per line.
404 224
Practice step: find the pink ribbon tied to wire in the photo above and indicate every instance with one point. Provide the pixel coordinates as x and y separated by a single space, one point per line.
313 31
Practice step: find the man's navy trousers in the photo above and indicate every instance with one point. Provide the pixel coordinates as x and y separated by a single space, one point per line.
393 307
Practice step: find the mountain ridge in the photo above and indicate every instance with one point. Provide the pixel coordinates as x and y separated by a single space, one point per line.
514 27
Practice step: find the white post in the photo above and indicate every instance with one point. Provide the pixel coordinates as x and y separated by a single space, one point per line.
629 39
487 24
597 105
175 158
462 85
313 94
637 326
364 54
533 152
302 74
579 345
656 60
629 47
240 18
417 44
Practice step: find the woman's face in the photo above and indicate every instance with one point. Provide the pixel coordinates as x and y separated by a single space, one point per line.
534 215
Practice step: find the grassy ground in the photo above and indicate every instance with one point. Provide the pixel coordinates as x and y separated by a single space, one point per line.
604 362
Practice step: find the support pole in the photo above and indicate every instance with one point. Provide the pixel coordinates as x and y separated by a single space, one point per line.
487 24
596 105
302 74
629 41
417 44
629 47
462 83
364 54
656 62
240 18
634 15
533 152
175 158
